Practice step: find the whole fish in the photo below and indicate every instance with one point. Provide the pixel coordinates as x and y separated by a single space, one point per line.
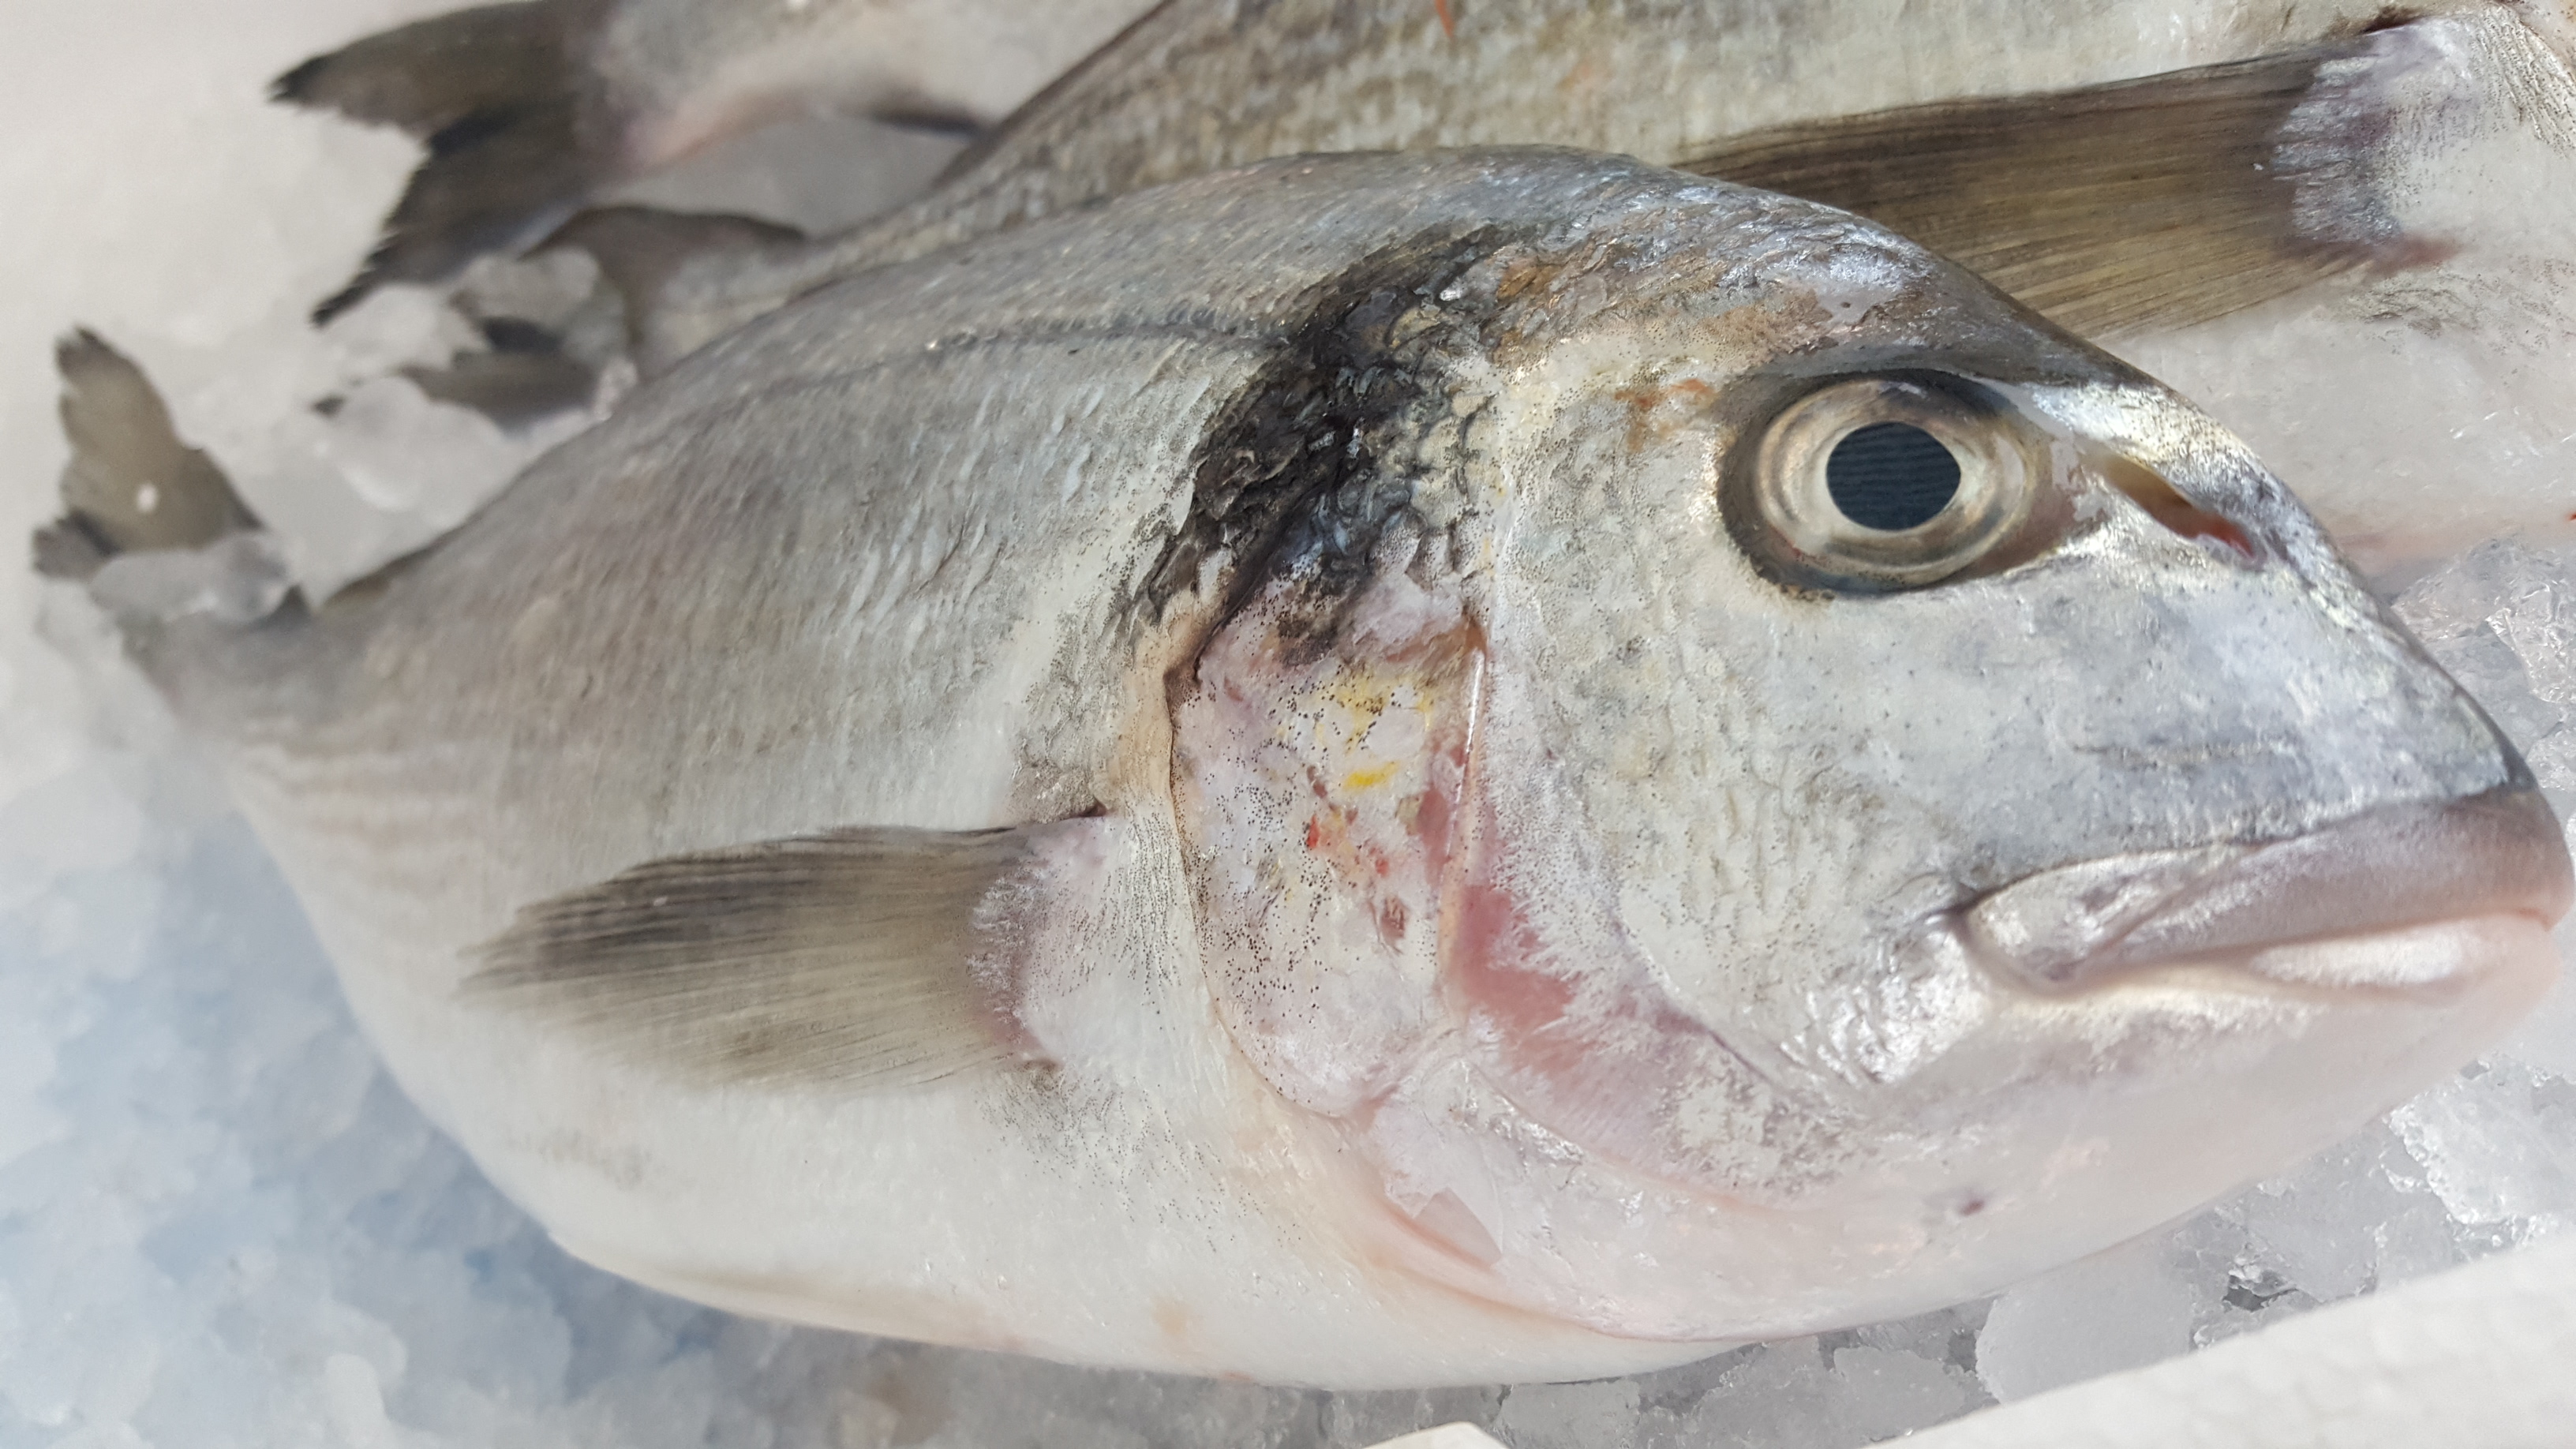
1375 770
530 108
2345 229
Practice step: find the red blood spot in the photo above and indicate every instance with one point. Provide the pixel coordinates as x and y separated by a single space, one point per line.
1314 833
1392 918
2187 519
1431 827
1448 23
2210 528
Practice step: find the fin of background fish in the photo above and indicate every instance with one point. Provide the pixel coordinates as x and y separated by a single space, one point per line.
872 957
131 485
2159 202
492 93
526 375
2112 206
530 109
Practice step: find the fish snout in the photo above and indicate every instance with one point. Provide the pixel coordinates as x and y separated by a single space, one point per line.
2417 897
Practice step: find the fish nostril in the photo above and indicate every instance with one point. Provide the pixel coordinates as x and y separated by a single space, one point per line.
2179 515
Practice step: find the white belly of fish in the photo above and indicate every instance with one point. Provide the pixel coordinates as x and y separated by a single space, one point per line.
1156 1203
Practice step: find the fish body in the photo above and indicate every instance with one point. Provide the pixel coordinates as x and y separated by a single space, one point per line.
1212 83
682 73
2346 236
1315 774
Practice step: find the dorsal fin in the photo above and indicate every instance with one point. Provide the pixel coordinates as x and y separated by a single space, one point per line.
874 957
2148 203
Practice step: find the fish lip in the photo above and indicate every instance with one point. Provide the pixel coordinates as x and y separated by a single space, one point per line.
2378 874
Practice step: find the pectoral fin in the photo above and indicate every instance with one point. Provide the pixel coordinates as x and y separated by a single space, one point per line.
527 375
2150 203
642 249
876 958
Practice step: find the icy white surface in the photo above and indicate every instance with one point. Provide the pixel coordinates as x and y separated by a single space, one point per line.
220 1225
2477 1356
153 196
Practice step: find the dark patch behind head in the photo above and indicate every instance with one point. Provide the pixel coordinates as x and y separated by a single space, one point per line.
1293 473
2391 17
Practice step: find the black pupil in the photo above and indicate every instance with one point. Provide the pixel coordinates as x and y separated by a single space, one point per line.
1891 476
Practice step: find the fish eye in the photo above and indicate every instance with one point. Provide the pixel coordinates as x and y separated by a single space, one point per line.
1887 482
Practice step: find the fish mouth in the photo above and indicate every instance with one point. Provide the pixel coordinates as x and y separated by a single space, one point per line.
2403 898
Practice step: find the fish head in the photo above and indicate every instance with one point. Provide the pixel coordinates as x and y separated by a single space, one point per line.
1768 788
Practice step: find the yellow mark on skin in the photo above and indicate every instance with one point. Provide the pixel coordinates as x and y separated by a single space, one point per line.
1379 775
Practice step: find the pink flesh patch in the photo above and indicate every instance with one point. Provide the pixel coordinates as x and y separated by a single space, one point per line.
2182 517
1594 1049
1485 963
1330 800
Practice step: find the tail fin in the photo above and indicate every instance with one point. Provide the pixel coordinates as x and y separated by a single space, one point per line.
493 91
151 524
